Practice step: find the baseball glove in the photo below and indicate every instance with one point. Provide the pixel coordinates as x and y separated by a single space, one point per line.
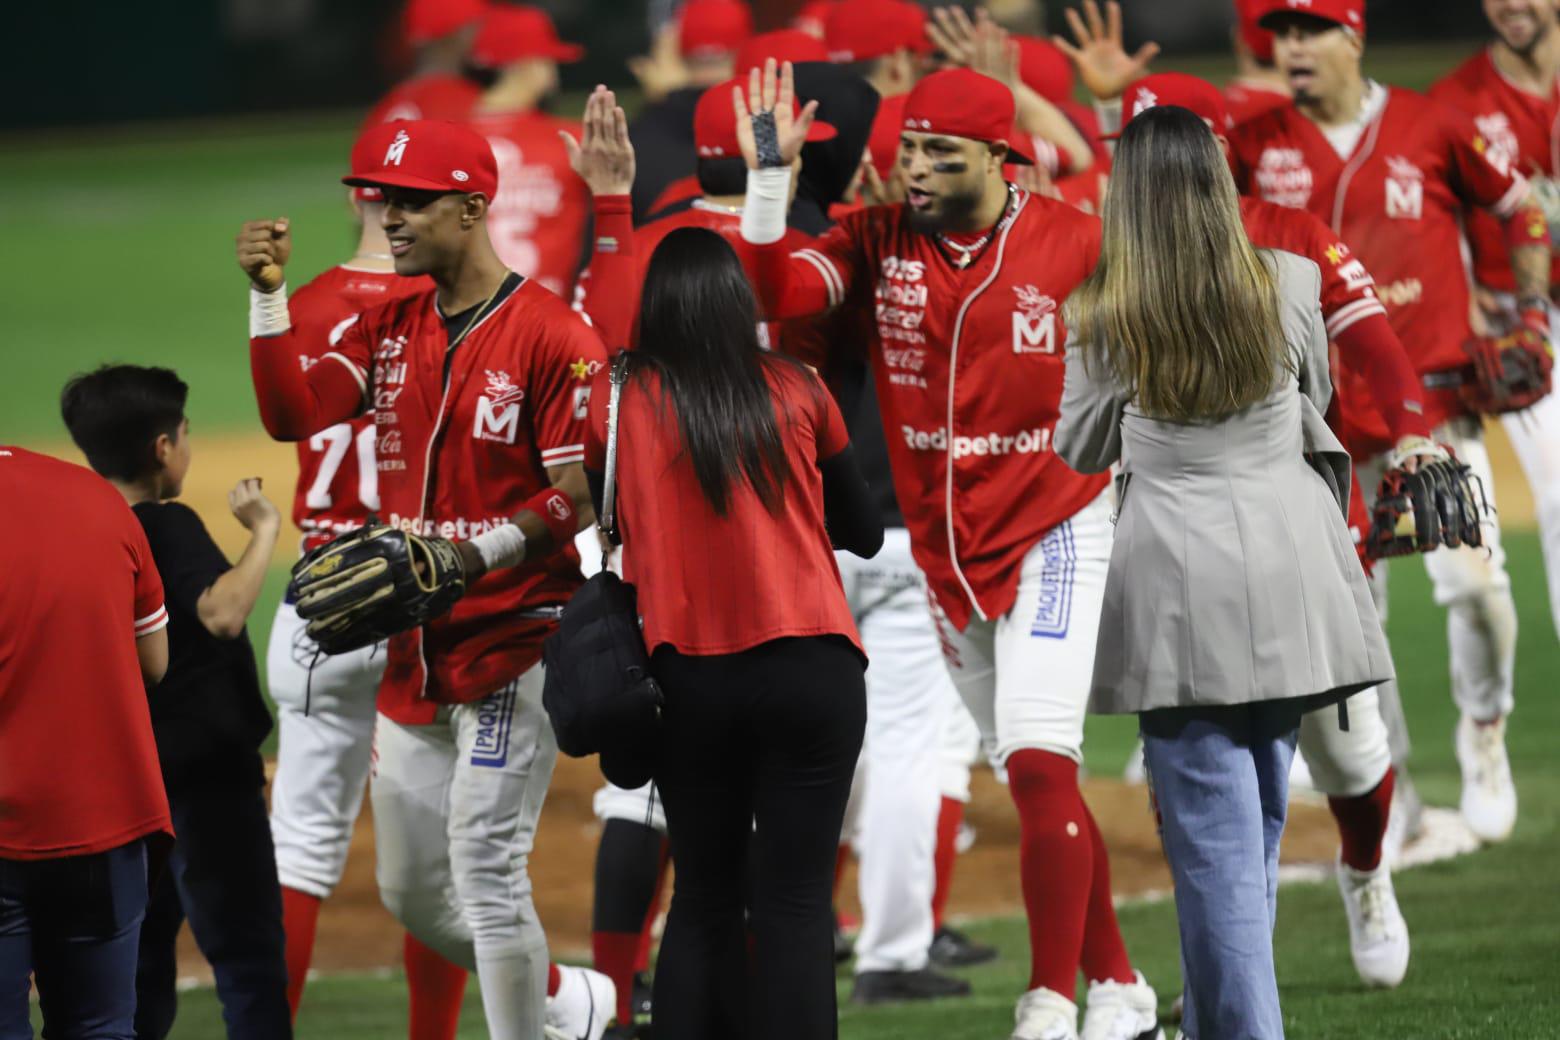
1441 503
371 583
1510 372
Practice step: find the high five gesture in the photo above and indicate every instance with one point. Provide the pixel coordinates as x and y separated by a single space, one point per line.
770 130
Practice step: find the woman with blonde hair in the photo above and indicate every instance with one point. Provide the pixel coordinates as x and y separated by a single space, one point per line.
1234 602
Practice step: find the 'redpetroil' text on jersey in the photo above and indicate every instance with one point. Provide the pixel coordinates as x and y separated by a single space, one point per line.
1026 442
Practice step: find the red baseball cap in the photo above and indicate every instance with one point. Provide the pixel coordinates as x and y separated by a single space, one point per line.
1045 69
883 142
1199 96
366 152
715 122
783 45
427 20
1348 13
963 103
811 18
1258 40
915 38
860 30
710 27
425 154
511 33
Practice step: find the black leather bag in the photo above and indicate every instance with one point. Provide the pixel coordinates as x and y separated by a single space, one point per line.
597 686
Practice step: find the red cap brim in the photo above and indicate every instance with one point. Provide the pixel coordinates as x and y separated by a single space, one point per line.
397 179
1017 156
821 131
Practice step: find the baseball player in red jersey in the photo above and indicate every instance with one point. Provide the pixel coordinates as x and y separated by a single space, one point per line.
1390 171
479 388
440 31
1512 91
968 277
538 219
1353 767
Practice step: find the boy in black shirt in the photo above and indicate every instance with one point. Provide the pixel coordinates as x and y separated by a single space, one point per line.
207 715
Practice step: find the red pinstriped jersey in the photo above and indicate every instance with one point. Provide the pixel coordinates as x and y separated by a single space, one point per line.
1348 290
968 364
338 486
1397 200
1524 126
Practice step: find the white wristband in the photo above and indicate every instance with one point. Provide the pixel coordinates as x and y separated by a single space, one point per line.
504 546
1110 115
763 211
268 312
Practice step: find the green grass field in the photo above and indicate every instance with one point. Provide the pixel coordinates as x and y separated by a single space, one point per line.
119 247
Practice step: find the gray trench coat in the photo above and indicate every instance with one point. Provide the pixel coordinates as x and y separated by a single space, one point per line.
1233 577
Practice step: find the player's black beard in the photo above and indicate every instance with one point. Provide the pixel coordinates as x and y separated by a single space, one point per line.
1526 52
953 214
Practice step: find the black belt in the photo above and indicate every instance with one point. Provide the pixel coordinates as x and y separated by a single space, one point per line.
548 613
1447 379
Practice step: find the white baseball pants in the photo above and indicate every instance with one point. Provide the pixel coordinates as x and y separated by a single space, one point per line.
325 735
456 805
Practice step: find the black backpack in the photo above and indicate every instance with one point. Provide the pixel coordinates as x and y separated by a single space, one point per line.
597 686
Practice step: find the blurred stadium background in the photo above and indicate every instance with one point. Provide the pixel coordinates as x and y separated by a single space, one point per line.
136 137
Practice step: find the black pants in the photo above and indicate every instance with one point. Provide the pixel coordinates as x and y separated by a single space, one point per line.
72 923
758 750
222 876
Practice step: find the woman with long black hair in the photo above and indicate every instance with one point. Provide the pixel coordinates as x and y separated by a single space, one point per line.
735 475
1234 602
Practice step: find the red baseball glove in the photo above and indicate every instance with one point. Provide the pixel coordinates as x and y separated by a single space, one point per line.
1511 372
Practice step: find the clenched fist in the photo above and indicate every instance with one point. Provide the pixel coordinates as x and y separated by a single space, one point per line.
250 506
263 249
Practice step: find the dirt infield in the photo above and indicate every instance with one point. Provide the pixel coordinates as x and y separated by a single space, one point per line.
356 934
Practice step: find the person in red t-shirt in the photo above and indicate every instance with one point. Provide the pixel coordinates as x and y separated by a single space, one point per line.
78 817
729 461
1512 91
539 217
965 281
441 32
483 444
1391 171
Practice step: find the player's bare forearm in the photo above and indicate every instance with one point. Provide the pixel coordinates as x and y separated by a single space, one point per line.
225 606
542 536
1041 118
1530 266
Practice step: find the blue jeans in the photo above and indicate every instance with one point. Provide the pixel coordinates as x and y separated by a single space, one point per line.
73 923
1220 777
222 876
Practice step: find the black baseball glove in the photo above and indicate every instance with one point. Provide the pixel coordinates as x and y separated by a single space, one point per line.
1510 373
372 583
1442 503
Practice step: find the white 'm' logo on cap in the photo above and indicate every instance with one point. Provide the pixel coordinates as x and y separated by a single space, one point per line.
1146 100
397 149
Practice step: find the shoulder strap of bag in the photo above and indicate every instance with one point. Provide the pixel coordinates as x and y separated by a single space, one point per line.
607 521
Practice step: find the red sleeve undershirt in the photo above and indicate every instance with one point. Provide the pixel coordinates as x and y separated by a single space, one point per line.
1371 348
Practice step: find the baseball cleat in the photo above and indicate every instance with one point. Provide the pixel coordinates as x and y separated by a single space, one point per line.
1489 798
585 1002
1044 1014
953 949
1378 935
891 987
1122 1011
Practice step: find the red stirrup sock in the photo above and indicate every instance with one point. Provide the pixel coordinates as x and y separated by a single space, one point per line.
1055 863
554 979
300 916
435 989
949 819
1104 954
1362 823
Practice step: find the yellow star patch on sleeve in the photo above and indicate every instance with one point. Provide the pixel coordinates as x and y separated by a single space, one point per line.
1335 254
580 370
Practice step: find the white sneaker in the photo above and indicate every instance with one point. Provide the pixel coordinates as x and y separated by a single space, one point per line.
1044 1014
1378 935
1135 772
585 1002
1489 798
1122 1011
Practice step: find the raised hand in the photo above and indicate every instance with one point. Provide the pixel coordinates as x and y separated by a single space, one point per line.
263 249
662 70
603 157
1103 63
250 506
982 44
771 96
